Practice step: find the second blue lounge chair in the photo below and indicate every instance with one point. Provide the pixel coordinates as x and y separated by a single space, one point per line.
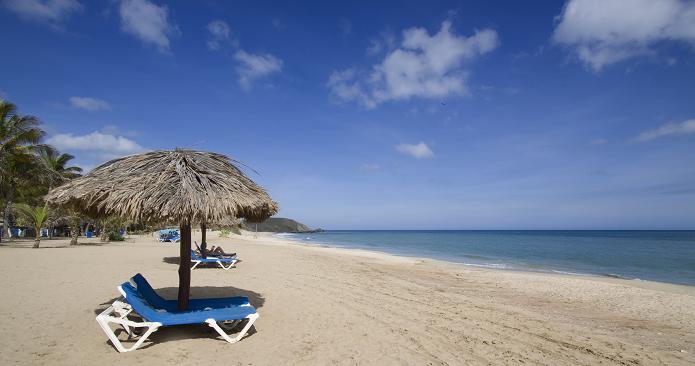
196 259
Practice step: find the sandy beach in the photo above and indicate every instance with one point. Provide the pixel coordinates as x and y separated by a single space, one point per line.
322 306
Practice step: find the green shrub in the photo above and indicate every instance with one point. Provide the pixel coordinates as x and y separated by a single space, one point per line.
115 236
224 233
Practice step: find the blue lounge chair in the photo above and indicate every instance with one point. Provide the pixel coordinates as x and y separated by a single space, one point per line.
154 317
168 235
150 295
196 259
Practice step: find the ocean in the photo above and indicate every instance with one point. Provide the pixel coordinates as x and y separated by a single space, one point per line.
665 256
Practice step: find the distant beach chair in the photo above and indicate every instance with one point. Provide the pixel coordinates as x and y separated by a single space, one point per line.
150 295
196 259
168 235
155 317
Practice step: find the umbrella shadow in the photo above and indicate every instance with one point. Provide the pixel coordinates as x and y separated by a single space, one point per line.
193 331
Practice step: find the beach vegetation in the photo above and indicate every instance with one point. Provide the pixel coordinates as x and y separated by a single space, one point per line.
111 227
19 142
33 216
29 169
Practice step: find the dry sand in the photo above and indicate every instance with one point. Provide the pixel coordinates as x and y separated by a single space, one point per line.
323 306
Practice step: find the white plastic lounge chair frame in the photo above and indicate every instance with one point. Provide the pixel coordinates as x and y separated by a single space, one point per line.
118 311
231 264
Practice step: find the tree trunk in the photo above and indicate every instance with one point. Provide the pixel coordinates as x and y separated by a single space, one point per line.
75 234
6 215
37 240
184 265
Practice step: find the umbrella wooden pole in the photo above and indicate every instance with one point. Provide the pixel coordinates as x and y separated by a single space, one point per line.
203 241
185 266
203 229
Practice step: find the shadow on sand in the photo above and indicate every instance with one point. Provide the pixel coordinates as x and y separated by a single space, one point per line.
194 331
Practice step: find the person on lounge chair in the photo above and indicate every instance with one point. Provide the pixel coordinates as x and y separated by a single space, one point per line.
219 252
212 252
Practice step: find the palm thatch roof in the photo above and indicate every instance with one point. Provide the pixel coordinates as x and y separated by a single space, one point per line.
167 186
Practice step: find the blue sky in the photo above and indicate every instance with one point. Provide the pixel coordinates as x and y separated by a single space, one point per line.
378 115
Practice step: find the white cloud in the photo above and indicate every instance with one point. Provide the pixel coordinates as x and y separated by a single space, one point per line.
89 104
669 129
220 33
427 66
418 151
97 144
251 67
603 32
50 11
147 21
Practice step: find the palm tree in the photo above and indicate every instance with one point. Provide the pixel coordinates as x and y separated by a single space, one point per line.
56 171
55 165
35 216
19 139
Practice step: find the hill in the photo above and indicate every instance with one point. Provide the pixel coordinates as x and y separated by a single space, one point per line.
279 225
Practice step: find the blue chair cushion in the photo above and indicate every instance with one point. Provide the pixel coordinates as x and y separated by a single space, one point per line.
191 316
196 257
150 295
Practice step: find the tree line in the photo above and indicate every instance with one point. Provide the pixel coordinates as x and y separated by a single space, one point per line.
29 168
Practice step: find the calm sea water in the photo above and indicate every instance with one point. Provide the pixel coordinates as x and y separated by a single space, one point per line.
666 256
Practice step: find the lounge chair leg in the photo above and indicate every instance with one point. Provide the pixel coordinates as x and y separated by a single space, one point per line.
195 265
105 318
226 268
212 323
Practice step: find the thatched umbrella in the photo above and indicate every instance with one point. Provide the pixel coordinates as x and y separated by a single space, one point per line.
179 186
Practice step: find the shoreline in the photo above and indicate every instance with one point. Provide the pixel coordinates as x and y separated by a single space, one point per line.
272 238
640 283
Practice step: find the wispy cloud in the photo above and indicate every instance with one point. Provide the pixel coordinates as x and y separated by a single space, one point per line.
100 145
249 66
345 26
148 22
89 104
220 34
599 141
278 24
369 167
418 151
53 12
424 65
252 67
384 43
115 130
669 129
604 32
